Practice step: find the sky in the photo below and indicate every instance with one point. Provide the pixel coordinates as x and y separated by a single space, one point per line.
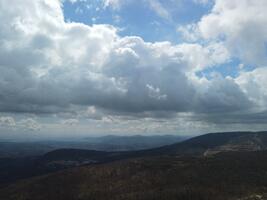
75 68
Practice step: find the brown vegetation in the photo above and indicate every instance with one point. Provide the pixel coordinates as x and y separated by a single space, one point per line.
224 176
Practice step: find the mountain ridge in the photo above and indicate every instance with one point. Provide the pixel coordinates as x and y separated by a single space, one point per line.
238 176
201 146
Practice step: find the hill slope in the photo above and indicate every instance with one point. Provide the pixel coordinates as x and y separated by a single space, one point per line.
226 176
201 145
205 145
219 142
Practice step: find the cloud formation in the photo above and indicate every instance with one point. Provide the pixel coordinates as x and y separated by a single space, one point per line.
70 122
29 124
7 122
50 66
240 25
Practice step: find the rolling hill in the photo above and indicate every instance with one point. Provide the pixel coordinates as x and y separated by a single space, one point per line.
12 169
213 143
207 144
16 149
226 176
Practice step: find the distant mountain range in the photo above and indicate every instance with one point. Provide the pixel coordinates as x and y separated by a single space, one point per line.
200 156
104 143
204 145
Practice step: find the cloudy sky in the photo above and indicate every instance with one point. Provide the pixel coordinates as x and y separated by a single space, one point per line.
94 67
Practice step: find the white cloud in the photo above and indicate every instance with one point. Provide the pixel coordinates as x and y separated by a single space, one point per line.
23 124
115 4
154 5
50 66
159 9
70 122
238 25
189 32
7 122
155 93
254 84
29 124
74 64
242 27
204 2
85 65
